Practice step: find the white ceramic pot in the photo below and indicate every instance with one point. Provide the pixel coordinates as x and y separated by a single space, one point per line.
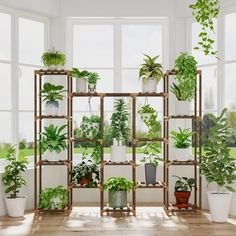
118 153
182 108
81 85
52 108
149 86
53 156
53 67
16 206
182 154
219 204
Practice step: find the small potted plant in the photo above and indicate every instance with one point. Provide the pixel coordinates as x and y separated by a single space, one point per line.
150 73
52 94
13 180
182 143
92 81
183 188
184 90
53 198
218 166
53 141
117 191
120 131
81 79
53 59
86 173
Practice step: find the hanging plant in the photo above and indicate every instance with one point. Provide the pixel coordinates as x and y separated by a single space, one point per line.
205 12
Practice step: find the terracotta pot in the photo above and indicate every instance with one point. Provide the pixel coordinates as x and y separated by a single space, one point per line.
85 180
182 197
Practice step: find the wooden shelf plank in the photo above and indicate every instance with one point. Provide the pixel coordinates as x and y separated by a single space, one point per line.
54 163
158 184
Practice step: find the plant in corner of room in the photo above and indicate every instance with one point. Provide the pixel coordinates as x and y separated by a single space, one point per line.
13 180
53 198
218 166
205 12
182 137
53 58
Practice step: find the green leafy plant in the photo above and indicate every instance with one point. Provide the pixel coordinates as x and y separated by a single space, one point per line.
152 149
185 67
182 138
205 12
53 57
184 184
118 184
90 127
119 122
12 176
76 73
93 78
53 139
53 198
87 169
217 165
51 92
150 69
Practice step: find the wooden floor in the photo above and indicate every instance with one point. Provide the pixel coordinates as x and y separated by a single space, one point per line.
86 221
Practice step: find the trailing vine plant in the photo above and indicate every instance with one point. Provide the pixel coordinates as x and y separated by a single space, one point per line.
205 12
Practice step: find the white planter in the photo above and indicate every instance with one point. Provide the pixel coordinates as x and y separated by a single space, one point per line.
182 154
118 153
149 86
219 204
182 108
16 206
53 67
81 85
52 108
54 156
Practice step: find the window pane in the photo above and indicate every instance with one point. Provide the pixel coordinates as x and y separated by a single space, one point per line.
209 85
5 39
230 85
31 41
201 58
139 39
93 46
230 36
5 86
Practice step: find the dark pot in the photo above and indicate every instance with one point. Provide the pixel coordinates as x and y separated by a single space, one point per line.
85 180
182 197
150 173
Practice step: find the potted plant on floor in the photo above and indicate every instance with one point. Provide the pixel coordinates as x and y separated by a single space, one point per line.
117 191
86 173
52 94
183 188
81 79
53 59
53 140
92 81
182 143
120 131
184 90
53 198
152 149
13 180
218 166
150 73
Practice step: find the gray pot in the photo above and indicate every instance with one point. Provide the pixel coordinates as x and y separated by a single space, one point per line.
52 108
92 88
150 173
117 199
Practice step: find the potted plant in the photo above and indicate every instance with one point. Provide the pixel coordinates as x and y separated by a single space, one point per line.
92 81
117 191
13 180
86 173
182 142
218 166
53 141
183 188
152 149
150 73
184 90
53 59
53 198
81 79
52 94
119 131
90 127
